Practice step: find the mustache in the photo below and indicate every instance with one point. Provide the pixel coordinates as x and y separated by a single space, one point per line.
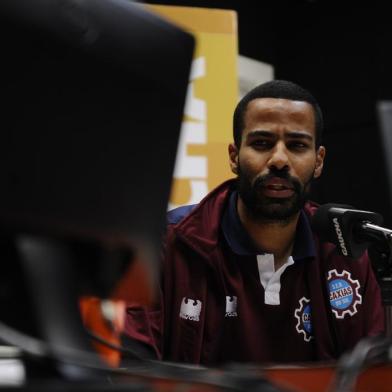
260 181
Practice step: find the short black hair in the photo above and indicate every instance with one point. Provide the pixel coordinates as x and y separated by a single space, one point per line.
276 89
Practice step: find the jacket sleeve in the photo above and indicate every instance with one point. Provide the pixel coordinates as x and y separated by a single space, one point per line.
370 319
143 328
373 307
144 324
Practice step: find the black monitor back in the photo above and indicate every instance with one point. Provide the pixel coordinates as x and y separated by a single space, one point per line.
384 111
93 94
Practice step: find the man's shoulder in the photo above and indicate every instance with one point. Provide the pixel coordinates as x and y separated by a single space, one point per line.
213 201
178 214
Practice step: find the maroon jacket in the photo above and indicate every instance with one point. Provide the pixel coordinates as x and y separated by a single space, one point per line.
212 308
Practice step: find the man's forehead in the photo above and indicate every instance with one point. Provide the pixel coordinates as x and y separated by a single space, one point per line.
279 110
279 105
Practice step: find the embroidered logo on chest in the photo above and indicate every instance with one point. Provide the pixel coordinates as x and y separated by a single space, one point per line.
344 293
231 306
190 309
303 315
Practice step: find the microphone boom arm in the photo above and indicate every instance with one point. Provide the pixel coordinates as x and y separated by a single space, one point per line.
377 232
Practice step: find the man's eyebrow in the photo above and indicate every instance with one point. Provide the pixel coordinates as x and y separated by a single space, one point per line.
260 133
300 135
291 134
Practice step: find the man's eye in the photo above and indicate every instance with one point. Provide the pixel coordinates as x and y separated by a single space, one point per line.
298 146
261 143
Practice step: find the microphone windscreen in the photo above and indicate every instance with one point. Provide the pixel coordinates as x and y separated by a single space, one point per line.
341 225
322 221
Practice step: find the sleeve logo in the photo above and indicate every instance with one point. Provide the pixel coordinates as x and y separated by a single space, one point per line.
344 295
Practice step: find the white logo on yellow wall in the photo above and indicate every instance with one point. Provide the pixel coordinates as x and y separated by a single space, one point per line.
194 131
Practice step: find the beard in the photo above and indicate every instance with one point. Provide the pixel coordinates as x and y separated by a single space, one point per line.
269 209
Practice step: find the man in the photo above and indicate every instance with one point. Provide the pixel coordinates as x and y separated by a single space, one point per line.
244 277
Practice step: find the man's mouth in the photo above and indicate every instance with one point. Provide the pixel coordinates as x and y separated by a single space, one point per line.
278 188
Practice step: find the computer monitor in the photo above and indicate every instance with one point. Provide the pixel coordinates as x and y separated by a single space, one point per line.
93 94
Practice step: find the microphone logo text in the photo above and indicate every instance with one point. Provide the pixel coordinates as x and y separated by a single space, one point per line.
340 236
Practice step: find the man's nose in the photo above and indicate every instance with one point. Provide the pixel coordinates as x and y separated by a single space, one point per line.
279 158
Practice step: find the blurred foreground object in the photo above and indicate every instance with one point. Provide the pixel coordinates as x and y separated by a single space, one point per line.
93 95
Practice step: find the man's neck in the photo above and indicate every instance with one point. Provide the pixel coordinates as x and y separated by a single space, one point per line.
273 237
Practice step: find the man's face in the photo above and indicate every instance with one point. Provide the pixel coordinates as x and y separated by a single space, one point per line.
277 159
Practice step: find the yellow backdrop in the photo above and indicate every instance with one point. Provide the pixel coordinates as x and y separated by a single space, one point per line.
202 158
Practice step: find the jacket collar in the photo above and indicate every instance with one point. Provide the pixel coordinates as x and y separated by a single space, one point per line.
241 243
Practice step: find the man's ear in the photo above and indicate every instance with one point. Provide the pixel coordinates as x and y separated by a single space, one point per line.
320 155
233 156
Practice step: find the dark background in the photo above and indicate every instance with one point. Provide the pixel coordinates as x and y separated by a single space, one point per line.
344 57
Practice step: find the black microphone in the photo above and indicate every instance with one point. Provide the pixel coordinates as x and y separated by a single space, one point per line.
351 230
